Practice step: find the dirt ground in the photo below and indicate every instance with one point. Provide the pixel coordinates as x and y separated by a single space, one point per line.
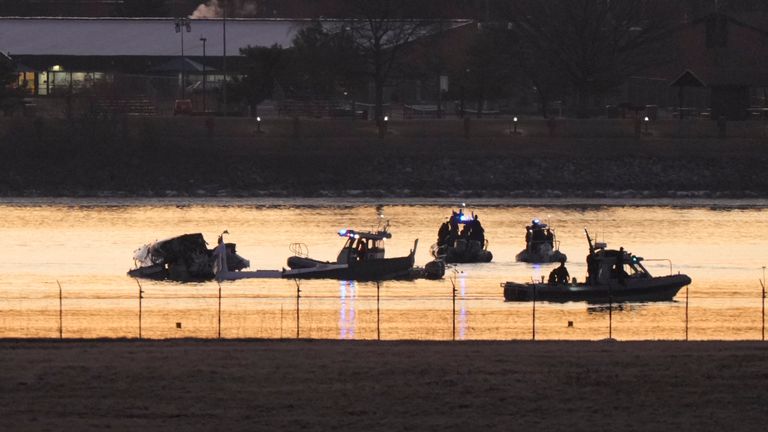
191 385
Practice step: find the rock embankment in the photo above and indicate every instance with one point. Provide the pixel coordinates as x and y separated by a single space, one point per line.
98 158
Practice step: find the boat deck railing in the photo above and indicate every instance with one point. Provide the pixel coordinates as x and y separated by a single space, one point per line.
299 250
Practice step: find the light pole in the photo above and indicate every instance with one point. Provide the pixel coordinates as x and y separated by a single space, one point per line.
204 40
183 24
224 60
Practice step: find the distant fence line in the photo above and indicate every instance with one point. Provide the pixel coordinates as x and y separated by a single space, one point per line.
296 315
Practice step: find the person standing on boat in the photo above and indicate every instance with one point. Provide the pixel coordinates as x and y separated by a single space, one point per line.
620 273
550 239
443 233
362 251
453 232
477 232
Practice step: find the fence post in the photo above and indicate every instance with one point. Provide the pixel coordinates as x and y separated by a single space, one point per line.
452 279
686 312
298 315
533 316
61 312
453 314
141 296
610 313
378 310
762 284
219 316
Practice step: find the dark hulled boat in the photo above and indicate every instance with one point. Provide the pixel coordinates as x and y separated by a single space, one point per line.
613 276
362 259
465 245
541 245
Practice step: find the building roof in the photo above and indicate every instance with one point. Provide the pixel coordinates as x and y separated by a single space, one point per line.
712 77
176 64
139 36
154 37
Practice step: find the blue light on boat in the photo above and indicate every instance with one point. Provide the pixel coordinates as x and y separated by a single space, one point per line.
342 232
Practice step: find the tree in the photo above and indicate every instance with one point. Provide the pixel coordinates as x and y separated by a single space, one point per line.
595 45
322 61
8 78
263 66
488 67
380 30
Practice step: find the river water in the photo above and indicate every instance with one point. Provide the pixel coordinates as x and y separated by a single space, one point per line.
85 247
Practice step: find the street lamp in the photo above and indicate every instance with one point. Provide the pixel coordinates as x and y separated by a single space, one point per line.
204 40
258 124
645 121
383 126
183 24
514 125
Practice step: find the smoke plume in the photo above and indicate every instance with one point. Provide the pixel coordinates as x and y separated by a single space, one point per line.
235 8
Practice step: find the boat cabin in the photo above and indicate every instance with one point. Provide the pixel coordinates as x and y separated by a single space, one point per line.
604 265
539 233
362 246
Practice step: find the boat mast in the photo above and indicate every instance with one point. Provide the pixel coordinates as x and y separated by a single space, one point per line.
589 240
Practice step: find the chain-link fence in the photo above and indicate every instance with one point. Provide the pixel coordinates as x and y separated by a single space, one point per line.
347 310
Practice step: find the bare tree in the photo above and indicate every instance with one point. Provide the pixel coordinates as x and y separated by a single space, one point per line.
381 30
595 45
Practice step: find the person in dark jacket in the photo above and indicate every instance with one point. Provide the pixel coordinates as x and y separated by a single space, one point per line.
560 274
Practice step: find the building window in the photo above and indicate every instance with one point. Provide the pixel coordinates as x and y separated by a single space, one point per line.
62 82
27 82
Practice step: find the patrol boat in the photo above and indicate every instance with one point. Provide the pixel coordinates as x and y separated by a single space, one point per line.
541 245
613 276
467 246
362 259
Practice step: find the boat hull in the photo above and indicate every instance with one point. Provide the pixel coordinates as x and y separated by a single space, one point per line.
474 252
372 270
663 288
543 257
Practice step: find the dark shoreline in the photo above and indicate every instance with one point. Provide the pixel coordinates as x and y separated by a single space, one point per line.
166 158
381 386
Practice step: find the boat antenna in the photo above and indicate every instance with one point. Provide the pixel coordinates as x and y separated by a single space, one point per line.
380 217
589 240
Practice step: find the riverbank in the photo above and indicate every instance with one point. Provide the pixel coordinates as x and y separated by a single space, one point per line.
323 385
142 158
